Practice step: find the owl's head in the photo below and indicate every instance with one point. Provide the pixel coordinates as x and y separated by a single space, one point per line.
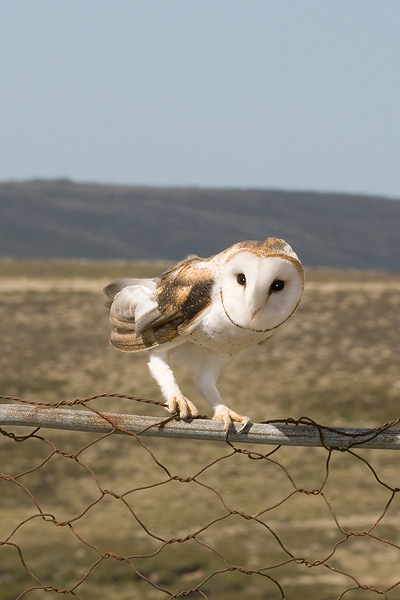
261 284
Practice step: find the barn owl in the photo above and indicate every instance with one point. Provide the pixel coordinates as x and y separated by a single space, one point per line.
202 313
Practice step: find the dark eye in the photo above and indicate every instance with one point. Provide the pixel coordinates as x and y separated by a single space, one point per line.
277 285
241 279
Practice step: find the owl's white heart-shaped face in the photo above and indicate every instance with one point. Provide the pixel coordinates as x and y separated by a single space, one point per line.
260 292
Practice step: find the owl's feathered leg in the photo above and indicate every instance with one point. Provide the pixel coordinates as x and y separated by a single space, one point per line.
206 378
163 374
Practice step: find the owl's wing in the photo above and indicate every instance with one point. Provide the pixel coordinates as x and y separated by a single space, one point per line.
146 313
112 289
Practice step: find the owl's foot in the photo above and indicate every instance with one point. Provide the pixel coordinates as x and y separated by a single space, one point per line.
182 406
227 416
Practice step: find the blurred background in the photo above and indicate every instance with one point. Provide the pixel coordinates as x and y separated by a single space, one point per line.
152 130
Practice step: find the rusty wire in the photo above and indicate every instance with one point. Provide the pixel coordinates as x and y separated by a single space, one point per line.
36 580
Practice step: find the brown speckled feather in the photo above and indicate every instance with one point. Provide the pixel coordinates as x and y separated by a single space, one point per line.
182 295
185 291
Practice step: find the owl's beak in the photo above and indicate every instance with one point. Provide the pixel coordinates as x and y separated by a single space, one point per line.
255 310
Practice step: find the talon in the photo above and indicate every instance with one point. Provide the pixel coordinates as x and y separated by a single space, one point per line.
182 406
245 426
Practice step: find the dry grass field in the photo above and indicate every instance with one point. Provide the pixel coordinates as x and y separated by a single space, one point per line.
252 526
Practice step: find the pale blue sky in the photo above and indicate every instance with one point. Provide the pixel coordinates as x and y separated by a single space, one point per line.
287 94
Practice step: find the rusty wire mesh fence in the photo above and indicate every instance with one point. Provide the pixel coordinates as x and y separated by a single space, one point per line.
120 514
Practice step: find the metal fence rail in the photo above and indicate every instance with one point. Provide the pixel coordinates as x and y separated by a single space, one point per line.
300 433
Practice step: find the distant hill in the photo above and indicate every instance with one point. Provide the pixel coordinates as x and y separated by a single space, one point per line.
63 219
